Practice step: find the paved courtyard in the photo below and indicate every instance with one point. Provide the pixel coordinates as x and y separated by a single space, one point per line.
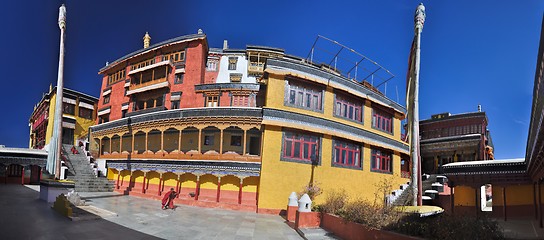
24 216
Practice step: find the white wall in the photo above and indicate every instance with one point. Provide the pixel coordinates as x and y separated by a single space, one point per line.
241 67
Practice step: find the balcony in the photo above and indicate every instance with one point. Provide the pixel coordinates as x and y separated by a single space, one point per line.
255 67
151 85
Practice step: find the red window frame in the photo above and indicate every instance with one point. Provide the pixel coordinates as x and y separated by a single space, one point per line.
381 161
348 109
300 147
347 154
304 96
382 121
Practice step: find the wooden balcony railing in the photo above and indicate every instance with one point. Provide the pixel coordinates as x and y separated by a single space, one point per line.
150 83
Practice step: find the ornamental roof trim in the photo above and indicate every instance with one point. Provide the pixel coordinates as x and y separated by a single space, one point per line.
155 46
281 64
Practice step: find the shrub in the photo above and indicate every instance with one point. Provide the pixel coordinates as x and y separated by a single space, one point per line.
446 227
334 202
312 189
372 215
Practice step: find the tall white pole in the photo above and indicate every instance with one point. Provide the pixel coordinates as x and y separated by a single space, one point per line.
419 20
53 158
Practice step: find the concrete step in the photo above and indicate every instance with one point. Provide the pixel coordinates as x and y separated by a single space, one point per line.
315 234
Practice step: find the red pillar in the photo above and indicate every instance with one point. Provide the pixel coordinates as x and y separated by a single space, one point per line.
240 191
197 189
534 200
504 202
143 183
452 199
178 186
539 204
118 175
476 205
40 174
23 175
160 183
218 189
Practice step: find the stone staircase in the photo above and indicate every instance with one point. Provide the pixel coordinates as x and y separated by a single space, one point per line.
82 174
432 186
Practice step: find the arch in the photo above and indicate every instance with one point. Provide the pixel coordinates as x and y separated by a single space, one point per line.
189 139
211 137
154 140
233 139
115 143
253 141
105 146
171 140
170 180
188 185
208 187
139 142
126 146
95 145
229 189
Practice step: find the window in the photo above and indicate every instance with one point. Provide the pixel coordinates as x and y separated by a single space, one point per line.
232 63
346 154
211 66
381 161
208 140
85 113
382 121
305 97
142 64
349 109
235 77
178 78
68 108
117 76
106 99
104 118
175 56
175 105
300 147
236 140
124 113
212 101
240 101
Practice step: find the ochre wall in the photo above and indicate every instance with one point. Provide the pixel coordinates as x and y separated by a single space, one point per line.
280 178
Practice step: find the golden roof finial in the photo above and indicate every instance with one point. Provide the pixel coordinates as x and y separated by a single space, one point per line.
147 40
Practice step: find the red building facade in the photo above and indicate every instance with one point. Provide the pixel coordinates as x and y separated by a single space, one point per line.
447 138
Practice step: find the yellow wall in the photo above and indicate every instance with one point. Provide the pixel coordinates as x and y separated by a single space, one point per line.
280 178
276 89
515 195
82 125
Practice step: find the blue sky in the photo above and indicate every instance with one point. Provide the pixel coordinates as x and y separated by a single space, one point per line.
473 52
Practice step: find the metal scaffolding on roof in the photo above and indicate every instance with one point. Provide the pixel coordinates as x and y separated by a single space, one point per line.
347 62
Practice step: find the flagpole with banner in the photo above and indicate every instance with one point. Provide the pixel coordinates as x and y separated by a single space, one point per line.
54 154
412 104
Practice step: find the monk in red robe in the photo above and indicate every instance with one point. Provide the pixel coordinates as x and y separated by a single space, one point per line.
168 199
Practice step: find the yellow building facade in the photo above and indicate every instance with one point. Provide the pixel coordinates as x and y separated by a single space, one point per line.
79 113
280 175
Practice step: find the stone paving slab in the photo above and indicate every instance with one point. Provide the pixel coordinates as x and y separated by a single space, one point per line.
189 222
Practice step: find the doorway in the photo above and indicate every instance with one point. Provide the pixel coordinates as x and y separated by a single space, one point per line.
68 136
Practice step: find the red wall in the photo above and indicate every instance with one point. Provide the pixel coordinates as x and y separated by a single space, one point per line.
195 64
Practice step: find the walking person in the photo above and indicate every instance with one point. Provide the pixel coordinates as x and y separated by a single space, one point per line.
168 199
